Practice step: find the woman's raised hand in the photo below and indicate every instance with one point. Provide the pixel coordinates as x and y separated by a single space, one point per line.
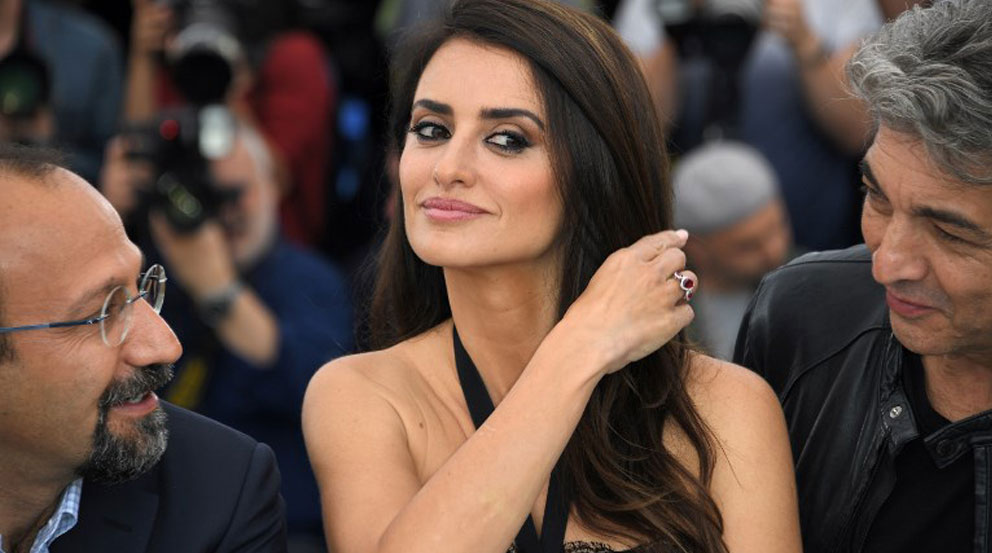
633 305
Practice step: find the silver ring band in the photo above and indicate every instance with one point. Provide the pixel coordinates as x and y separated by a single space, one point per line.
685 283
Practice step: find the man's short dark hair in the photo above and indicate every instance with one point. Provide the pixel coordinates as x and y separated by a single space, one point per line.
29 161
26 162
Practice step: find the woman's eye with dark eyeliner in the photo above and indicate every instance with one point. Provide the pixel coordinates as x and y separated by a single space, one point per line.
508 141
429 132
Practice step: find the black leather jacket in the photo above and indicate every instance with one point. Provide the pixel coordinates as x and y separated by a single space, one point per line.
818 330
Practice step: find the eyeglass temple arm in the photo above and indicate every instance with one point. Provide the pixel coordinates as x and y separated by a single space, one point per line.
6 329
94 320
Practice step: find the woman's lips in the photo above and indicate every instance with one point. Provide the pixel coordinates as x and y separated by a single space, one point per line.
447 209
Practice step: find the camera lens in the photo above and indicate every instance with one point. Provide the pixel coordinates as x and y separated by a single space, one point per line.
23 85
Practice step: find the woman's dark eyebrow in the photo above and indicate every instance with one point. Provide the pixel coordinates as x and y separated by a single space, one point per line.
506 113
436 107
486 113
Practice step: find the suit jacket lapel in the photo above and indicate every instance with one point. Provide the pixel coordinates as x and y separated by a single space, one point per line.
114 518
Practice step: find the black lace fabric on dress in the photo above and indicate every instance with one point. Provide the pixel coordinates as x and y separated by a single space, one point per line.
589 547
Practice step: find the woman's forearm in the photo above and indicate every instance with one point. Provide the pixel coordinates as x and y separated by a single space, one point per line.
480 497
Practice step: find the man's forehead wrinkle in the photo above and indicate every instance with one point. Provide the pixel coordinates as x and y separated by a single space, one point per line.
916 148
929 174
906 173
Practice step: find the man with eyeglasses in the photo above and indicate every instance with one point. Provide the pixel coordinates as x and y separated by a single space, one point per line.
90 459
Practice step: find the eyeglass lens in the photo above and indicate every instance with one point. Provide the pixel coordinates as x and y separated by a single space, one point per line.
116 314
152 287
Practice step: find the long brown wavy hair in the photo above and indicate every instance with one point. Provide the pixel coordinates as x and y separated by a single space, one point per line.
609 161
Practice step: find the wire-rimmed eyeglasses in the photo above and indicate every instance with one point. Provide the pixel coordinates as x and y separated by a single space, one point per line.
115 316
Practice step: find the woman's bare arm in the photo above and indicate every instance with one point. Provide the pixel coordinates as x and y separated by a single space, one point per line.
753 480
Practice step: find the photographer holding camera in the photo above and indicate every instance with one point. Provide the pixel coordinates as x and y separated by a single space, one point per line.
256 315
238 53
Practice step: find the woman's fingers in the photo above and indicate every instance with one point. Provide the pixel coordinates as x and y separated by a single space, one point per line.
650 246
669 261
637 300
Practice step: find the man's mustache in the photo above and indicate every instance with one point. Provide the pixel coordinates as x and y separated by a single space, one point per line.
144 380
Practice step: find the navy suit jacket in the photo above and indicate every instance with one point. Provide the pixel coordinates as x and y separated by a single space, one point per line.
214 490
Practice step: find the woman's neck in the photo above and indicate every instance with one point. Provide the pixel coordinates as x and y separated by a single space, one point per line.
502 315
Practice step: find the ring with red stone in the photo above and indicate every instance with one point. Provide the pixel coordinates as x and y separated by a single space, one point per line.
686 284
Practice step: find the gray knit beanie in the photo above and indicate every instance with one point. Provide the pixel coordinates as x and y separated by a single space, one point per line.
719 184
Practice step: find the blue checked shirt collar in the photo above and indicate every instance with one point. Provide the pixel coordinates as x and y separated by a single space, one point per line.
61 521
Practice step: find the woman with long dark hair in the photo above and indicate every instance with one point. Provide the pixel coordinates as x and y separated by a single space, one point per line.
532 387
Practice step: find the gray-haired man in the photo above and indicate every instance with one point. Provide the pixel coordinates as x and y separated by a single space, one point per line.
882 354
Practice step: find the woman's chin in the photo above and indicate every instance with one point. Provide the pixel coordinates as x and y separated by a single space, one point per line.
468 251
448 259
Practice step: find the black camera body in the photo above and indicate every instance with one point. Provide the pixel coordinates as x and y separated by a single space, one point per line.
206 50
24 84
716 34
721 30
213 37
180 145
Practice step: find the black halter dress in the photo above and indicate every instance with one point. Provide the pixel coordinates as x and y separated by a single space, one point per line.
552 539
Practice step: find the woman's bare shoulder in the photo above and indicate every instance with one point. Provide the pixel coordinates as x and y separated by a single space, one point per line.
390 373
731 401
723 391
740 409
752 482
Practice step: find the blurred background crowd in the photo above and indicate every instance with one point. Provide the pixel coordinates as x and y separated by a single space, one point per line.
243 143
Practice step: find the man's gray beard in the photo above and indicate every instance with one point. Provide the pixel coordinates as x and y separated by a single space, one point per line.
118 458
